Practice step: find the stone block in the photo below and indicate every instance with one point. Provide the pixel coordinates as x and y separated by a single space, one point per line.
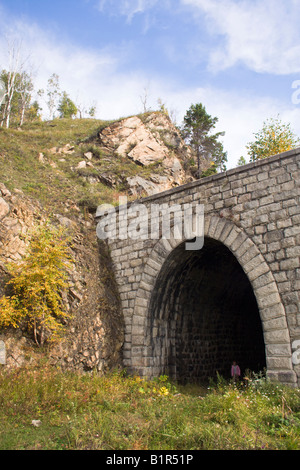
269 300
258 271
266 290
252 263
276 336
279 363
277 350
275 324
290 263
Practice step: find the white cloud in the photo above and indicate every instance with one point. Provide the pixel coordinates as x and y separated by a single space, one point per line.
85 73
264 35
128 8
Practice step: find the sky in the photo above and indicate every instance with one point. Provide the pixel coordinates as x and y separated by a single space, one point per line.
239 58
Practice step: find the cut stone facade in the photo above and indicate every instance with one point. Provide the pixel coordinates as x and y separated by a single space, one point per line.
180 307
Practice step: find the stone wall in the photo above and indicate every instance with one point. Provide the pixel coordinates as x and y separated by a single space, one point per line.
253 211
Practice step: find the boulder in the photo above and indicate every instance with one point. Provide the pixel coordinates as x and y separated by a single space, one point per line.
81 165
88 155
140 187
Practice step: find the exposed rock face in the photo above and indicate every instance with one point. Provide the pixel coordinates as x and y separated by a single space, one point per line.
17 216
153 140
131 138
94 336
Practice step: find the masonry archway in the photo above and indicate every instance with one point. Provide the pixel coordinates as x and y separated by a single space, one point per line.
203 315
162 304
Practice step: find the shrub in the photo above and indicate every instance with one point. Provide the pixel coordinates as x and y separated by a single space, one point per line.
36 285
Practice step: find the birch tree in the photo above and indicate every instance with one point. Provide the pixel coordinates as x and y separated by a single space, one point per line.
53 94
14 67
24 89
16 81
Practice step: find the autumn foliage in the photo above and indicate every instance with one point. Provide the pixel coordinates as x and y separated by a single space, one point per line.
36 283
274 138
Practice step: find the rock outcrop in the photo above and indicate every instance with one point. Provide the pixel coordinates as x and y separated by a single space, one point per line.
149 140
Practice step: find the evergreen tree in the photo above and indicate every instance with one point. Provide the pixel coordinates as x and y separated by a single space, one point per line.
66 108
196 130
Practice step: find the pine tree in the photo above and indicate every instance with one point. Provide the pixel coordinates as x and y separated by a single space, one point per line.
196 130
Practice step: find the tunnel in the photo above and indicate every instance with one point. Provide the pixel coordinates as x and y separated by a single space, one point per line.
203 316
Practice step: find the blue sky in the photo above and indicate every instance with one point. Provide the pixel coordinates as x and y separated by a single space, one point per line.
239 58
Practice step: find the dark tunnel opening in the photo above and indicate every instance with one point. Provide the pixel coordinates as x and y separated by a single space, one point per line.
204 315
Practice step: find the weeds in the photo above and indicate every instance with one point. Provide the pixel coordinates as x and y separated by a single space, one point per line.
130 413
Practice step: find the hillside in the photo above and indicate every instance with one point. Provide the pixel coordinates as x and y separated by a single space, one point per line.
82 163
62 170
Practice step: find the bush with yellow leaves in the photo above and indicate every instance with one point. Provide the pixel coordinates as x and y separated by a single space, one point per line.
36 284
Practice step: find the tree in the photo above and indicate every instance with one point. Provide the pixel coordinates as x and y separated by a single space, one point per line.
33 113
10 82
20 99
275 137
196 130
36 283
24 89
13 112
92 111
144 100
2 92
66 108
17 83
53 94
242 161
162 107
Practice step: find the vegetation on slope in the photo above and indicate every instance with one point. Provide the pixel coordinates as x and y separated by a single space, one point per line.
28 164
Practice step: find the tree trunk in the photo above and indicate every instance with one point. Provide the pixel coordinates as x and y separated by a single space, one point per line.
198 162
22 114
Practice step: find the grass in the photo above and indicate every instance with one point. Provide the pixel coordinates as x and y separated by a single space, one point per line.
118 412
53 185
56 182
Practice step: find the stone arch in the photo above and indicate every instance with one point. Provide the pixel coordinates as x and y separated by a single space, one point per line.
271 310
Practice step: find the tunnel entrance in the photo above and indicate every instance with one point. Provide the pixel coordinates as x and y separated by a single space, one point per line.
204 315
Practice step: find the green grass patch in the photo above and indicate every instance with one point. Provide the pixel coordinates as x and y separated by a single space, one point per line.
54 181
117 412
